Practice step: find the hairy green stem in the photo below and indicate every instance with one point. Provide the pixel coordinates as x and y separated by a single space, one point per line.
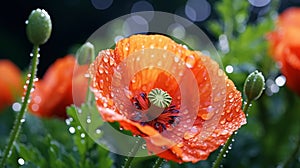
18 121
134 150
220 156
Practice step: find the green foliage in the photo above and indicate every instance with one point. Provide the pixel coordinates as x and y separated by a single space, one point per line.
84 121
47 143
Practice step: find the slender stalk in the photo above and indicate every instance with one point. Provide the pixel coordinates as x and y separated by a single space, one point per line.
158 162
18 121
220 156
134 150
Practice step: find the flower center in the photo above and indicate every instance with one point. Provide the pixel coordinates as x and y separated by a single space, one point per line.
169 117
159 98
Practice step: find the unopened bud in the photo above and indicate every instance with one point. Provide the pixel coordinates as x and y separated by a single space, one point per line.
38 27
254 86
86 53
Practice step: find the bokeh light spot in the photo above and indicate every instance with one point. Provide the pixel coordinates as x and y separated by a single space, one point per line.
135 24
102 4
197 10
280 80
16 106
177 30
229 69
141 6
259 3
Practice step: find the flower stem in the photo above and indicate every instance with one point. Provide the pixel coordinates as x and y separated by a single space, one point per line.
134 150
158 162
18 121
220 156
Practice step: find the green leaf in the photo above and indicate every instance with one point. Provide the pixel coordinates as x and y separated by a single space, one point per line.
31 154
84 123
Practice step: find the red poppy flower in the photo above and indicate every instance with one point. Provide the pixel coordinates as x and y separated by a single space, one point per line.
285 46
10 83
205 107
54 92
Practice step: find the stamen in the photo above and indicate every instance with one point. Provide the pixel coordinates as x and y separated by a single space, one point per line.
141 101
159 98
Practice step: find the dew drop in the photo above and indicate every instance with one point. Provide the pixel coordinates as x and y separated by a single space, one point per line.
176 59
101 84
67 121
180 73
31 55
98 131
101 70
82 135
222 121
105 59
159 63
121 107
72 130
224 132
144 88
26 22
22 120
21 161
144 146
88 120
190 61
180 144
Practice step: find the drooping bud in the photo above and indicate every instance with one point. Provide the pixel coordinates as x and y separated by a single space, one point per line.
254 86
38 27
86 53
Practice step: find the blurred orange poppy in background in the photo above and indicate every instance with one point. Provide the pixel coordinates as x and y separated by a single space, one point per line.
188 144
54 92
10 83
285 46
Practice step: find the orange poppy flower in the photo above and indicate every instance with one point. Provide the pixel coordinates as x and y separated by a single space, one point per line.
10 83
205 108
54 92
285 46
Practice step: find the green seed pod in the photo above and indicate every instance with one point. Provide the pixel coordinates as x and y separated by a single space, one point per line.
254 86
86 53
38 27
159 98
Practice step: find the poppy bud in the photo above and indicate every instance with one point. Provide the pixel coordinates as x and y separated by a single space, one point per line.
254 86
39 27
86 53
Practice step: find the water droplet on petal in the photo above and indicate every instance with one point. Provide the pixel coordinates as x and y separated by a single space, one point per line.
224 132
190 61
176 59
105 59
